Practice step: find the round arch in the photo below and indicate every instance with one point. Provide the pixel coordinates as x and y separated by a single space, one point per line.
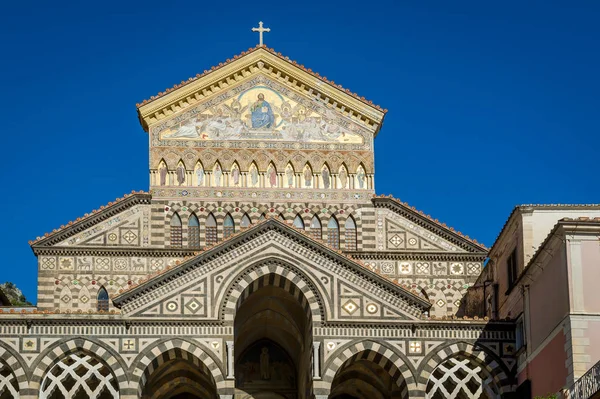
267 271
58 350
389 359
153 356
16 364
480 355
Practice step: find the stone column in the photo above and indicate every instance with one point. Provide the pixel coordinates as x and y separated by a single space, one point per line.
316 360
230 360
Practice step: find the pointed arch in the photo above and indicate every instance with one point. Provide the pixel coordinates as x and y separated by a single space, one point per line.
290 176
262 217
342 178
228 226
298 222
281 217
272 177
316 230
360 178
193 231
217 175
253 176
245 222
175 226
350 234
326 176
163 172
210 230
65 298
199 174
333 233
102 300
307 176
83 298
235 175
180 173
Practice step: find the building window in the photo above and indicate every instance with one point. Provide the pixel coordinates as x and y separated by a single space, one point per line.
315 228
350 238
102 300
228 227
262 217
298 222
333 233
520 337
245 222
511 266
193 232
211 230
176 231
281 218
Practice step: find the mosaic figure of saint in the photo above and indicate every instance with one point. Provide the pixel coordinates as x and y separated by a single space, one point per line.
272 174
307 177
360 176
254 176
235 174
162 171
325 176
180 174
262 114
200 176
343 177
289 173
218 175
265 369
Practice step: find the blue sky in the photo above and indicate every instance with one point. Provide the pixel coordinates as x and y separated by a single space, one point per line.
490 104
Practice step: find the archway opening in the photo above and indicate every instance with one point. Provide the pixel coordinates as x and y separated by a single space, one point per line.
273 341
365 378
180 378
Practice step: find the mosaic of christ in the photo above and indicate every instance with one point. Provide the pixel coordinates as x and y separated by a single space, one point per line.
262 113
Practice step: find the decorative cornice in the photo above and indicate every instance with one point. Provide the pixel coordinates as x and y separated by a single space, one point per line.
415 255
266 61
212 253
90 219
116 251
426 221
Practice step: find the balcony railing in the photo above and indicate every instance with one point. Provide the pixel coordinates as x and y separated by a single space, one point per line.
587 386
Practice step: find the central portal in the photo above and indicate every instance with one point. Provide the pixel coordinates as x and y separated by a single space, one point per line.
273 342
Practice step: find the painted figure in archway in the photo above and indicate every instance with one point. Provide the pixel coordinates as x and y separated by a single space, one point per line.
289 173
235 174
254 176
272 173
343 177
262 113
162 171
325 175
360 176
200 176
265 372
180 174
307 177
218 175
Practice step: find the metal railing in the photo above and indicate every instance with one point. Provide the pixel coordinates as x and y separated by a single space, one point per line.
587 386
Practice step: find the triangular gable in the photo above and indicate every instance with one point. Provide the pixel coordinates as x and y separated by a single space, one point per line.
196 288
120 223
226 78
403 228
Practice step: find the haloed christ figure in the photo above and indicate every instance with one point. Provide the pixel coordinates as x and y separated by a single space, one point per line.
262 114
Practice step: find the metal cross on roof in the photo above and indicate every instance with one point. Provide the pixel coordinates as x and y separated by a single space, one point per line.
260 31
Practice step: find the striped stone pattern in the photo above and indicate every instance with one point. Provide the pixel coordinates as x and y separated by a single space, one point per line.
16 368
152 358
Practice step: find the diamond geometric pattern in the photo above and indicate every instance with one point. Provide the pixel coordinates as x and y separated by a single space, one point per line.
193 305
460 378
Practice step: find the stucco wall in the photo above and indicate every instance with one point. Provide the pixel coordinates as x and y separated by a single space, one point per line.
547 370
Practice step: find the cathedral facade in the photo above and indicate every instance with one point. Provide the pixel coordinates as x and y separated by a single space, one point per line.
260 264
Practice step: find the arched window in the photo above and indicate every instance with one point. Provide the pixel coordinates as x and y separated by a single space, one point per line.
333 233
315 228
350 238
193 232
245 222
281 218
176 231
228 227
262 217
298 222
102 300
211 230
